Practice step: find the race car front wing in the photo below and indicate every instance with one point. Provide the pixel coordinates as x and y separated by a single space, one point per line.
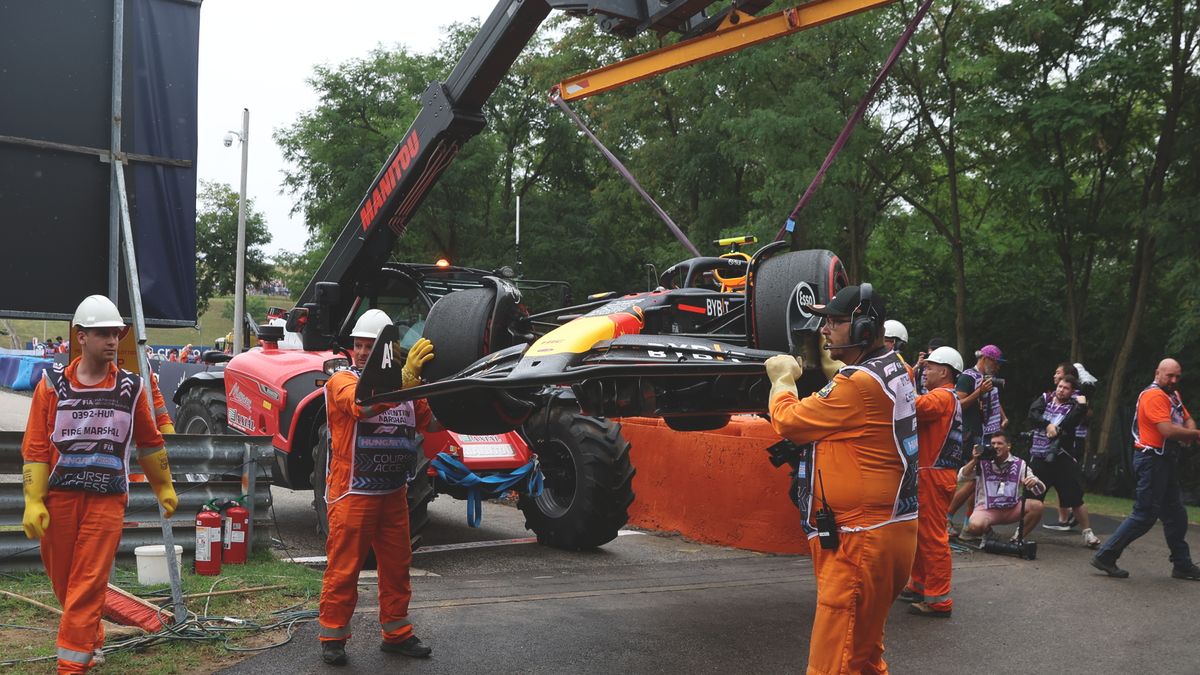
628 375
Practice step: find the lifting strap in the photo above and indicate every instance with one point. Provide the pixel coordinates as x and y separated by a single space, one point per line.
858 113
626 174
455 472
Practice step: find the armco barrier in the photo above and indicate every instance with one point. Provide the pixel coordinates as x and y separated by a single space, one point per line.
716 487
204 468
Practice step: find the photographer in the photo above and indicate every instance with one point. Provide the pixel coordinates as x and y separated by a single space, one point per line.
1054 416
997 498
978 392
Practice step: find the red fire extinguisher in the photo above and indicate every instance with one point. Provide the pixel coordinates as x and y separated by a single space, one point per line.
237 519
208 541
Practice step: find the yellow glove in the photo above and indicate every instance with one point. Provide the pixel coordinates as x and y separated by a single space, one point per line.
36 476
783 371
167 428
158 472
420 354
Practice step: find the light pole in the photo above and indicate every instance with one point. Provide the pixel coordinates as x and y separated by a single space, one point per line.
239 293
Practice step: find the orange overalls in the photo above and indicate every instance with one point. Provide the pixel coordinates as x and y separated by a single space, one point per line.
856 455
360 522
939 435
85 526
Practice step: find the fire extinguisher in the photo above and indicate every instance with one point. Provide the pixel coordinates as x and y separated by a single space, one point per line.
208 541
237 519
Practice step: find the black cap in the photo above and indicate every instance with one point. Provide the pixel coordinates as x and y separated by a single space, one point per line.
846 301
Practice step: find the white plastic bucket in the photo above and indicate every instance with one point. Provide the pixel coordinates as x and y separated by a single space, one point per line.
152 564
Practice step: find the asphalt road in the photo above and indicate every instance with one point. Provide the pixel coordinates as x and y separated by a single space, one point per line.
650 603
488 600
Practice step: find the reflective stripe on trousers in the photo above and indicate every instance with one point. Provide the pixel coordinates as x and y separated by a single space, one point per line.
856 586
78 552
932 566
358 524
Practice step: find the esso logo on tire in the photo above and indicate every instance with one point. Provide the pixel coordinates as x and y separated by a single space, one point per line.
805 296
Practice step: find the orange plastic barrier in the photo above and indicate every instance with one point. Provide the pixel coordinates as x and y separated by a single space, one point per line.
716 487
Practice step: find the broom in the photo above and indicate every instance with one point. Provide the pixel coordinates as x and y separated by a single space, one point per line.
127 609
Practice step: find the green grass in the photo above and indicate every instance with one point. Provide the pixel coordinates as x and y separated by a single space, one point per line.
213 325
36 636
1119 507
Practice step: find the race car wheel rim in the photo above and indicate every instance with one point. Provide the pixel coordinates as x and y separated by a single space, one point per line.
558 470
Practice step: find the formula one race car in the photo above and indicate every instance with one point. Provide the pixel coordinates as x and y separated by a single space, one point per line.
690 351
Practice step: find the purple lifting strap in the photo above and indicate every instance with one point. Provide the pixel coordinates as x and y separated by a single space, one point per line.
855 117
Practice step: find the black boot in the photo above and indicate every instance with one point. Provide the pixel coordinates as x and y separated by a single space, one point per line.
333 652
410 647
1109 567
1188 571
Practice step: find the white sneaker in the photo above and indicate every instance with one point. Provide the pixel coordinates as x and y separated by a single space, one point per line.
1090 539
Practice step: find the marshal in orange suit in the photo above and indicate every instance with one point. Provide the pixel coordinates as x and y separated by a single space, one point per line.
859 473
84 422
939 436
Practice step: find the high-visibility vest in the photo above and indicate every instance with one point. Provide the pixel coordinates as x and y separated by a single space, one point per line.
93 432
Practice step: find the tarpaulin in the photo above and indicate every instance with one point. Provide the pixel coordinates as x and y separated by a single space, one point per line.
54 202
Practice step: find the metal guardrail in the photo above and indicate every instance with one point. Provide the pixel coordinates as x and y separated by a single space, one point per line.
204 468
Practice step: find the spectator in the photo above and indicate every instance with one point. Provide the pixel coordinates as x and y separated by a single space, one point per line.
1054 416
997 495
173 355
1161 429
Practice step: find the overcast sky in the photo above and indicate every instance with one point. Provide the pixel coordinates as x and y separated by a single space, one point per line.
257 54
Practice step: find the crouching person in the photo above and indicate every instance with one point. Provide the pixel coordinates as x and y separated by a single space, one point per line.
997 488
372 450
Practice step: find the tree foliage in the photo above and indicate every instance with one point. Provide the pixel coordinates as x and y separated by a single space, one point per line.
216 243
1027 177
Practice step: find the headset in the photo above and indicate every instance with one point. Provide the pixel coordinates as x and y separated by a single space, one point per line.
864 319
865 326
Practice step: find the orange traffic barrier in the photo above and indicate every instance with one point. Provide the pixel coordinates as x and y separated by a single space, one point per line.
716 487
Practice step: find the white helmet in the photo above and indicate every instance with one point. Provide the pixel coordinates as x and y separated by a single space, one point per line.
370 324
895 330
97 311
946 356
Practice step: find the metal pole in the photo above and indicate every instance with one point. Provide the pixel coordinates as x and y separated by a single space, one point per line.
518 244
239 297
114 222
139 333
249 476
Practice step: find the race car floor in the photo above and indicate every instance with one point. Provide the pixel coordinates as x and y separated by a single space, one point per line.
649 603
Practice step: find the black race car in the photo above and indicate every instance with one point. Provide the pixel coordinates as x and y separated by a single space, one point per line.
690 351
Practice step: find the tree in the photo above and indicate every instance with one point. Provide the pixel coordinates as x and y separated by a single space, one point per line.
216 243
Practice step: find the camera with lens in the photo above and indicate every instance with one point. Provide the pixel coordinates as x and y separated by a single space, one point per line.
997 382
986 452
1021 548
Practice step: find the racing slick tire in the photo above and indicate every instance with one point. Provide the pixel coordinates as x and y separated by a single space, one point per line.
774 281
588 479
460 326
202 411
420 493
